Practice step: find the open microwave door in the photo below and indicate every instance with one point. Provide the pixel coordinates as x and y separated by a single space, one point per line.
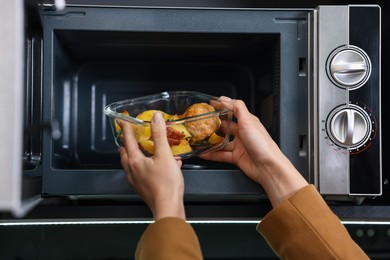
18 192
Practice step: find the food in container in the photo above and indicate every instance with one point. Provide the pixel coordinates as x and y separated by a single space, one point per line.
196 122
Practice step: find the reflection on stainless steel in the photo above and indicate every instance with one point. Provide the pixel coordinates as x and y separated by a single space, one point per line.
193 166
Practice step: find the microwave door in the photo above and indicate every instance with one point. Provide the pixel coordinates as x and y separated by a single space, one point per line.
18 192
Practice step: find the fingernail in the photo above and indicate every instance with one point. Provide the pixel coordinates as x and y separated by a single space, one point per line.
158 118
224 98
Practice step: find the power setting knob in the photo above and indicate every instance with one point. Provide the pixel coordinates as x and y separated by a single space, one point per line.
349 126
348 67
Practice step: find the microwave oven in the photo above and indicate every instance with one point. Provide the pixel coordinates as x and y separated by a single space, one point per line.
312 75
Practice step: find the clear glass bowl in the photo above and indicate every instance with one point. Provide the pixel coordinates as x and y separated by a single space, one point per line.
196 122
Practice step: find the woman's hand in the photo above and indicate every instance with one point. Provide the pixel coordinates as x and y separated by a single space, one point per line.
257 155
157 179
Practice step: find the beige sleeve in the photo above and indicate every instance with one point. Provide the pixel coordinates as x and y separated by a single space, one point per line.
304 227
168 238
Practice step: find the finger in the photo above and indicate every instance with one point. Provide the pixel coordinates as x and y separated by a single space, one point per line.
245 118
229 147
228 127
129 140
226 102
217 104
233 129
179 162
225 99
238 106
159 135
240 110
218 156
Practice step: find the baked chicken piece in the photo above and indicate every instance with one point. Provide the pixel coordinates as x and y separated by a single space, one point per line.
202 128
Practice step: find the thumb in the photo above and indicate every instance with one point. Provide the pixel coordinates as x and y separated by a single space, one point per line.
159 135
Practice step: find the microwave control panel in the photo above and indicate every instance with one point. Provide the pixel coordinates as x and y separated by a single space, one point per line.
348 101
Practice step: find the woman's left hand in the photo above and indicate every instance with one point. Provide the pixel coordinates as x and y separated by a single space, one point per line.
157 179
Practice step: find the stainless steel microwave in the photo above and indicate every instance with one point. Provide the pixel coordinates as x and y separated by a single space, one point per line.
312 75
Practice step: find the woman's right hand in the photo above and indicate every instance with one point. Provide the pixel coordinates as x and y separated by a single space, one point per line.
257 155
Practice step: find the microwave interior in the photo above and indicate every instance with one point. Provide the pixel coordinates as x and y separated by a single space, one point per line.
94 69
95 56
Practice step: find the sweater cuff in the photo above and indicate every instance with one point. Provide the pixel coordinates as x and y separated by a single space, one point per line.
304 226
169 238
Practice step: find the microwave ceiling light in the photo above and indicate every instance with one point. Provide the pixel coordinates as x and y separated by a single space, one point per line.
60 4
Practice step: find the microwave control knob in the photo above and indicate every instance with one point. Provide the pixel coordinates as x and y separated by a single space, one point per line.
350 126
349 67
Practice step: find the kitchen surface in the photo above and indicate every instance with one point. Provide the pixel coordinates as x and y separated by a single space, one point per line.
85 210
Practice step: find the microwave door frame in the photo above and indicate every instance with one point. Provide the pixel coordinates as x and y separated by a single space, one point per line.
13 197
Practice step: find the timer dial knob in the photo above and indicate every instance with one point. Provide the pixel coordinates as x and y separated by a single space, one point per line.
349 67
349 126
